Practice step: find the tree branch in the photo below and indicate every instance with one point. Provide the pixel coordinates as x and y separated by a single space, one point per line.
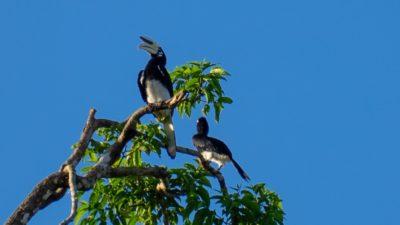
53 187
129 131
206 165
187 151
81 146
158 172
74 197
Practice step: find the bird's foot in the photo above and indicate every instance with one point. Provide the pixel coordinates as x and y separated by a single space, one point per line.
151 106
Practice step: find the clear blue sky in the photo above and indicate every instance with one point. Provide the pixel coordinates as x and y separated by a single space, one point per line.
316 111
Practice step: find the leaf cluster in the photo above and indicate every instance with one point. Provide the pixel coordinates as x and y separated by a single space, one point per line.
202 81
133 200
190 197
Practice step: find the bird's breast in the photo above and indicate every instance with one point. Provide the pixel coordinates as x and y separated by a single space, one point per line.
207 155
219 159
156 91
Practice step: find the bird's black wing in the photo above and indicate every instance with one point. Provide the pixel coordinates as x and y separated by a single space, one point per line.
166 79
203 143
141 84
220 147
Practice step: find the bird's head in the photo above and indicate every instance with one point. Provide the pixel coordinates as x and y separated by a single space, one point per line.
202 126
151 47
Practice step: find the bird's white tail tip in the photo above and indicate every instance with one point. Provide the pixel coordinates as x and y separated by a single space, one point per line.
172 152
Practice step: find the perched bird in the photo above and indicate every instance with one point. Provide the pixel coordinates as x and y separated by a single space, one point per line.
155 85
213 149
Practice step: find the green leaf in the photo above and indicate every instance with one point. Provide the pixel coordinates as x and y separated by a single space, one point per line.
192 83
138 158
217 110
225 100
200 216
188 109
206 109
204 181
204 196
214 83
80 212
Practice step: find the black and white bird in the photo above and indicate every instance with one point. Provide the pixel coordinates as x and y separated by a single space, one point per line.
155 85
213 149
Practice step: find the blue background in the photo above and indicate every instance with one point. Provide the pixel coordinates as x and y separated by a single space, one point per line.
316 111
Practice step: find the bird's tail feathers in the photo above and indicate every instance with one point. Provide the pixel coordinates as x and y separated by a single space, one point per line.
169 131
241 171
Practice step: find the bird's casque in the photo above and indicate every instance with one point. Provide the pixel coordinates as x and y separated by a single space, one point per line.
155 85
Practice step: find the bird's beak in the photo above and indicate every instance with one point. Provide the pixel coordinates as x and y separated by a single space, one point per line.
147 40
149 45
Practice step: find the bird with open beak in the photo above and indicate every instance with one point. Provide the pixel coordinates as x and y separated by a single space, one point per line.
155 85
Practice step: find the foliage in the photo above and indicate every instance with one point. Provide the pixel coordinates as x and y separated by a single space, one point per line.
203 82
190 199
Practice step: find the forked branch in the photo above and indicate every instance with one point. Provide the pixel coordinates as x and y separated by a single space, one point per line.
54 187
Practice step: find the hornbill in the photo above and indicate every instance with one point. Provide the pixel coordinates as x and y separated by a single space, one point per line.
213 149
155 85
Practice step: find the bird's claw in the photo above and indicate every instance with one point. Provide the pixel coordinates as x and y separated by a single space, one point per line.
151 106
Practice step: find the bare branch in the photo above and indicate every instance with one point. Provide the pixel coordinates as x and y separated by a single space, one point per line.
74 197
53 187
36 200
81 146
187 151
46 191
105 123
